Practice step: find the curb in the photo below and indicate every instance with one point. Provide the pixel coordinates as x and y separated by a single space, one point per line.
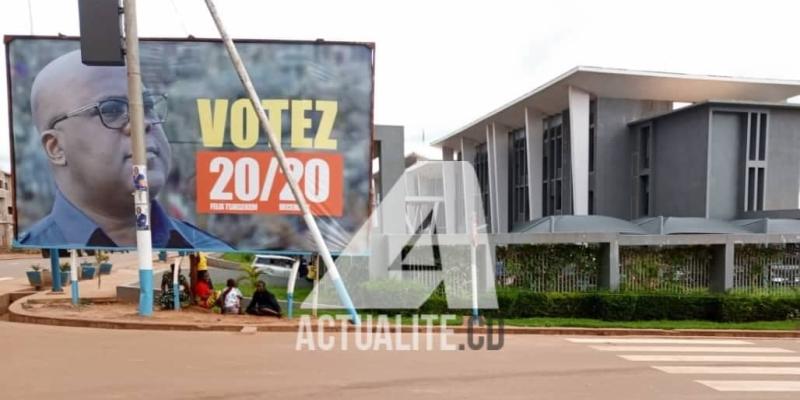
18 314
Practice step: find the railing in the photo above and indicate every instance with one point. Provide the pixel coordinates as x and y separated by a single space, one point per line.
548 268
773 269
670 269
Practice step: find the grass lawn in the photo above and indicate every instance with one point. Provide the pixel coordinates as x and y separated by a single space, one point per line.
246 258
405 320
690 324
279 292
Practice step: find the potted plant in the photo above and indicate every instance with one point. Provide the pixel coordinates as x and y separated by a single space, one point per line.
87 270
35 276
65 272
102 259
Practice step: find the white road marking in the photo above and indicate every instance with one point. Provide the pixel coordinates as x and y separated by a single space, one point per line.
692 349
6 278
712 358
753 386
738 370
655 341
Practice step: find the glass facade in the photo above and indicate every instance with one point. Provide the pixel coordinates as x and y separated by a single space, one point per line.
519 211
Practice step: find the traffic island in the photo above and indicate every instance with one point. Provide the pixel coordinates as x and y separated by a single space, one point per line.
107 313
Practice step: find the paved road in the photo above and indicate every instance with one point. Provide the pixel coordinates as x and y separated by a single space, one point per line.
43 362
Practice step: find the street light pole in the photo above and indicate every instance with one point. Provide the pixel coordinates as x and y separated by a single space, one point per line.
141 195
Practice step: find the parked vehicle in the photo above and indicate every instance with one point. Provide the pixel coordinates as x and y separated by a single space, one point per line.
784 275
277 269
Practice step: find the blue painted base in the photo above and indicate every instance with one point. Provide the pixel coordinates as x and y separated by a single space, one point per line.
176 295
75 294
146 292
289 301
344 297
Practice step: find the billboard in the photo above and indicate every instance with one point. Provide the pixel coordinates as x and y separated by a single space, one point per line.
214 183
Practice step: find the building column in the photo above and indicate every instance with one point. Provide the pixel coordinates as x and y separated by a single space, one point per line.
722 267
497 147
534 137
392 208
608 278
447 153
579 149
470 185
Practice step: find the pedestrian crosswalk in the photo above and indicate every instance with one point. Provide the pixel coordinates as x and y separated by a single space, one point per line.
738 363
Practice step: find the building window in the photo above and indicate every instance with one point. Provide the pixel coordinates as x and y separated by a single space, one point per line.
553 164
10 210
644 195
644 147
481 164
518 177
592 150
756 164
644 154
592 135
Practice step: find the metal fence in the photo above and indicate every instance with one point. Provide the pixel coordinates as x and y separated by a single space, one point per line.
766 269
575 268
670 269
548 268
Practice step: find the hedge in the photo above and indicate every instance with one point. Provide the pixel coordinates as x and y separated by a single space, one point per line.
634 306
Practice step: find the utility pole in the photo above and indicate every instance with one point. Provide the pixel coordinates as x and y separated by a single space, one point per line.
141 196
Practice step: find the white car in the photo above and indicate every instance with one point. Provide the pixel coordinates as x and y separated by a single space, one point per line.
277 269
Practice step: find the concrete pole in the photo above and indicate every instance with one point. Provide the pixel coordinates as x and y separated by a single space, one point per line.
144 243
344 297
73 276
176 286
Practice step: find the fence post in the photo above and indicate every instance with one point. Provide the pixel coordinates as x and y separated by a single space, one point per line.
722 267
609 266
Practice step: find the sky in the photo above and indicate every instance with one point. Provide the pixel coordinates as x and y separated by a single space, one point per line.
441 64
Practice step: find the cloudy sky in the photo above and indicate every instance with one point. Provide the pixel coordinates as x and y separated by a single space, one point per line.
441 64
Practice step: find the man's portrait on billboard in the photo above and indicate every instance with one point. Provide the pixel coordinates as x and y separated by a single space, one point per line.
81 114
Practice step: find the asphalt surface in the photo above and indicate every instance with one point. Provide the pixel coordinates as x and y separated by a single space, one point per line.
45 362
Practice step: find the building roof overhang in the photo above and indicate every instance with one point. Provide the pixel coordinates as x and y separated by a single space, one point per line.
552 97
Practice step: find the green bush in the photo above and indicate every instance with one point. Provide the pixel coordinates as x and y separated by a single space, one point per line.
740 308
628 306
644 306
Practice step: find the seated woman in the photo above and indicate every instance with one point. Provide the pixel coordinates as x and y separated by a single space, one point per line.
167 298
231 299
263 302
204 294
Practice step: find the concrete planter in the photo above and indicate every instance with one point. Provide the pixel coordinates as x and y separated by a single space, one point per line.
105 268
47 277
87 271
34 278
64 278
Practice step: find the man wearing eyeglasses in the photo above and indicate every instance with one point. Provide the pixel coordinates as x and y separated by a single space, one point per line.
81 114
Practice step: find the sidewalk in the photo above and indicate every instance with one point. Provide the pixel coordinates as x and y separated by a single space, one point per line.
124 271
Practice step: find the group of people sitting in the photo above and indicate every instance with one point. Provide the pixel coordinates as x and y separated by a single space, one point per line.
229 300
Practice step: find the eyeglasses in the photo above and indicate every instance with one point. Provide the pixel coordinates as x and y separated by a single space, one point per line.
113 112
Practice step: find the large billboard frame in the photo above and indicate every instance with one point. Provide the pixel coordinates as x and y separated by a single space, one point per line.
7 39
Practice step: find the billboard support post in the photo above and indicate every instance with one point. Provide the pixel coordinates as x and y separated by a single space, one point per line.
144 244
344 297
55 271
